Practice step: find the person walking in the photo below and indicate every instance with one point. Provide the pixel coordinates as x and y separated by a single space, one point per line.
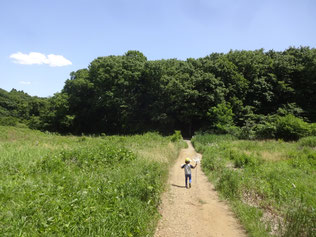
187 171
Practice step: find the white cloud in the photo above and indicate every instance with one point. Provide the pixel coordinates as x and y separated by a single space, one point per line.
39 58
57 60
25 82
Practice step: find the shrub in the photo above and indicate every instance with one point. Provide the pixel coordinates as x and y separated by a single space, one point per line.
8 121
229 129
308 141
176 136
241 159
266 130
248 130
290 127
312 129
35 122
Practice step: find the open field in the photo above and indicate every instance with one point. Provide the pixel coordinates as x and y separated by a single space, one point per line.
78 186
270 184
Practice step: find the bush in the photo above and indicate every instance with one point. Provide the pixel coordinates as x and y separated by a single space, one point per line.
292 128
266 130
8 121
241 159
308 141
176 136
312 128
248 130
35 122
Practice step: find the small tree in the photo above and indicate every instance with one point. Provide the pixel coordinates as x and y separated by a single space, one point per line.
222 117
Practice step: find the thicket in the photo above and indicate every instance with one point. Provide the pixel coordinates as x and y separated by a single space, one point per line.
269 184
226 93
19 108
81 186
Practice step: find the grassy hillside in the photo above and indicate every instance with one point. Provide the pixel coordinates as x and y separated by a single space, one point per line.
78 186
270 184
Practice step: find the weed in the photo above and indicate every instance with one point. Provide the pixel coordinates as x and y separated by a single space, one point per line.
229 184
300 221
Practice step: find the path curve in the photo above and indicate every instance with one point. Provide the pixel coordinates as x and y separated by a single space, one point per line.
195 212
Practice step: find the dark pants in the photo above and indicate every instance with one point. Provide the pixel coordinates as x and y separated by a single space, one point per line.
187 176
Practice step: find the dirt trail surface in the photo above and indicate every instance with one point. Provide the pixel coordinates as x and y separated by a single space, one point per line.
196 211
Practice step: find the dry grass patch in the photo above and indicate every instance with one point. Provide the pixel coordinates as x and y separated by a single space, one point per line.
158 154
272 156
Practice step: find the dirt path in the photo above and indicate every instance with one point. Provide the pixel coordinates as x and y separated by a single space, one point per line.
196 211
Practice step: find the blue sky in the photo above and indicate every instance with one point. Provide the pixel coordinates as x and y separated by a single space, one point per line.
66 35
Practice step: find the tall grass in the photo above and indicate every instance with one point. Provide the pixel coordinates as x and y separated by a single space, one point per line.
80 186
270 184
308 141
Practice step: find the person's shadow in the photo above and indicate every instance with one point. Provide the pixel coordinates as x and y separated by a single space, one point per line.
178 186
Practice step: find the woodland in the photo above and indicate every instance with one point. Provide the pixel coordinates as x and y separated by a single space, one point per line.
250 94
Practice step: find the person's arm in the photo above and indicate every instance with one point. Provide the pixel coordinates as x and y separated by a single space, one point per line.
182 166
193 166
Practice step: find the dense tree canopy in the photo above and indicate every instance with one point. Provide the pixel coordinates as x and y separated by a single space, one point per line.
130 94
17 106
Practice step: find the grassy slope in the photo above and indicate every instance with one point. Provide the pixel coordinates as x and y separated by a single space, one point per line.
75 186
270 184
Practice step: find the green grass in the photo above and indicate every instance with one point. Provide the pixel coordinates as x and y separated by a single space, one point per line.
80 186
308 141
270 184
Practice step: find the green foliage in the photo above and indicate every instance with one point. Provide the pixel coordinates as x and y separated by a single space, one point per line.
81 186
291 128
228 184
241 159
270 184
176 137
208 138
286 127
300 221
18 107
251 219
308 141
313 129
8 121
213 164
266 130
222 117
291 108
88 158
226 93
